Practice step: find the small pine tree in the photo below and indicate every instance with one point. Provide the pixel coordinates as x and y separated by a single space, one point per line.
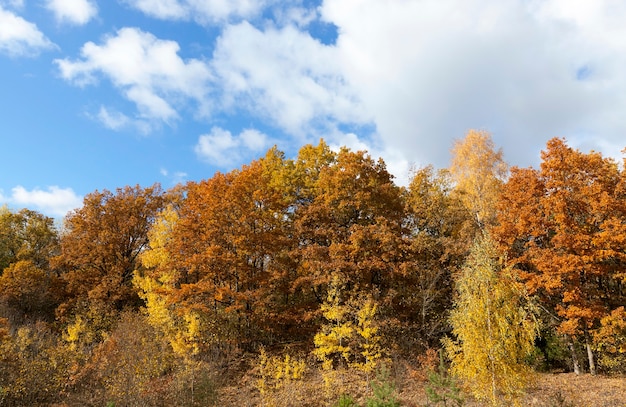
441 387
345 400
384 391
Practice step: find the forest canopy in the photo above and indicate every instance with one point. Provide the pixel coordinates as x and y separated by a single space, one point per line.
322 253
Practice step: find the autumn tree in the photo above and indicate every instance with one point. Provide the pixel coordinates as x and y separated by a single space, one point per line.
101 243
157 285
253 250
563 229
224 256
478 170
493 328
29 291
438 228
609 341
27 235
297 179
332 343
352 227
28 287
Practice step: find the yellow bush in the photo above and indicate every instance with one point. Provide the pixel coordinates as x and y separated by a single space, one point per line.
610 341
276 372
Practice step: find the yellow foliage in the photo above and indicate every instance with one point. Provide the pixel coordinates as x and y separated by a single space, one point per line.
479 171
494 331
76 332
158 237
151 291
184 332
186 340
609 340
91 324
351 334
276 372
367 329
332 341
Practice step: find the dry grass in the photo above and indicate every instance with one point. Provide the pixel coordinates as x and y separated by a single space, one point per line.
582 390
550 390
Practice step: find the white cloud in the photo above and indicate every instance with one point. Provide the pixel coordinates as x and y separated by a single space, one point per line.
525 70
300 16
19 37
286 77
416 74
202 11
14 4
112 119
222 149
54 201
118 121
147 70
77 12
150 104
253 140
177 177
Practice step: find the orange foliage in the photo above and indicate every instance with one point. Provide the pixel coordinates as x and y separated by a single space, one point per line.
30 290
101 243
227 251
564 228
352 226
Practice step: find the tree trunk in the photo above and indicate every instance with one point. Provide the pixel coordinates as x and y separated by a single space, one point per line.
592 363
572 349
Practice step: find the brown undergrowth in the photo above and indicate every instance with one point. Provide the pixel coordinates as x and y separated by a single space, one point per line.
549 390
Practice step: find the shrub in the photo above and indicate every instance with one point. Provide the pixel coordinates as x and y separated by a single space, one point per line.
384 391
276 373
32 366
441 387
610 342
345 400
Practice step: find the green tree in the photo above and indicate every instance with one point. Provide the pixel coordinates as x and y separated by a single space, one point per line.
493 327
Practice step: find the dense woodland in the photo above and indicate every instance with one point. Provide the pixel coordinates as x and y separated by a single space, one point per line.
320 265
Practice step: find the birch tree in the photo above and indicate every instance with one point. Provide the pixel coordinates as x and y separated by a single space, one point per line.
479 170
494 329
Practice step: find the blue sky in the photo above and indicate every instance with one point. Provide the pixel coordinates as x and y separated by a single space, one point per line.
102 94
